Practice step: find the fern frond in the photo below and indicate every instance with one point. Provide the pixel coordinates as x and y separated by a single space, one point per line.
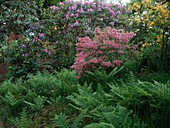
23 121
86 100
36 103
60 121
99 125
78 121
115 71
118 117
10 99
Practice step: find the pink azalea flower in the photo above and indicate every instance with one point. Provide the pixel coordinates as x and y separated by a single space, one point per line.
117 62
94 60
106 64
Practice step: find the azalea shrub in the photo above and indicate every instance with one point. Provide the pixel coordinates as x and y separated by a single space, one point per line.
62 25
108 49
150 21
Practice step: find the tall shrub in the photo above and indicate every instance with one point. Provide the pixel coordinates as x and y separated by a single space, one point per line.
62 25
151 22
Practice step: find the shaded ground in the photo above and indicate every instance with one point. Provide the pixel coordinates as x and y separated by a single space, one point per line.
3 71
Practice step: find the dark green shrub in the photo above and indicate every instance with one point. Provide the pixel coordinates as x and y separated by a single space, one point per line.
15 18
24 57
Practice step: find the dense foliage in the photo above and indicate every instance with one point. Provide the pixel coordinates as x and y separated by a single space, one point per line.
51 44
151 22
15 18
92 65
58 100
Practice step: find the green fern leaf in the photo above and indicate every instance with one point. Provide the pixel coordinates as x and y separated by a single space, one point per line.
99 125
60 121
23 121
77 121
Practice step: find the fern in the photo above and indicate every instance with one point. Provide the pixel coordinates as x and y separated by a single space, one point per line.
15 88
86 100
78 121
52 85
102 75
42 84
67 76
12 102
99 125
100 78
34 102
68 82
148 100
119 117
60 121
23 121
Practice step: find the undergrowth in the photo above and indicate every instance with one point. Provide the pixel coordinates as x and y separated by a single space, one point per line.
61 100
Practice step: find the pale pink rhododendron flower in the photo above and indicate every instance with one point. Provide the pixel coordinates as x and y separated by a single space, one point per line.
80 10
105 50
53 9
24 46
90 10
68 1
76 23
41 35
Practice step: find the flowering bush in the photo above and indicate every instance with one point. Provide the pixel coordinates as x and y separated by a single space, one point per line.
53 38
74 19
108 49
150 21
62 25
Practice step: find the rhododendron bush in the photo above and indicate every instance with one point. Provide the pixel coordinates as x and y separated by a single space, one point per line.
62 25
107 49
73 19
69 20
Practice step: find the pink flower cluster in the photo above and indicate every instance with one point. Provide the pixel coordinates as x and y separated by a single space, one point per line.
53 9
105 50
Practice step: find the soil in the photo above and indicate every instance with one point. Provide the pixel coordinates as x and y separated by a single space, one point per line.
3 71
